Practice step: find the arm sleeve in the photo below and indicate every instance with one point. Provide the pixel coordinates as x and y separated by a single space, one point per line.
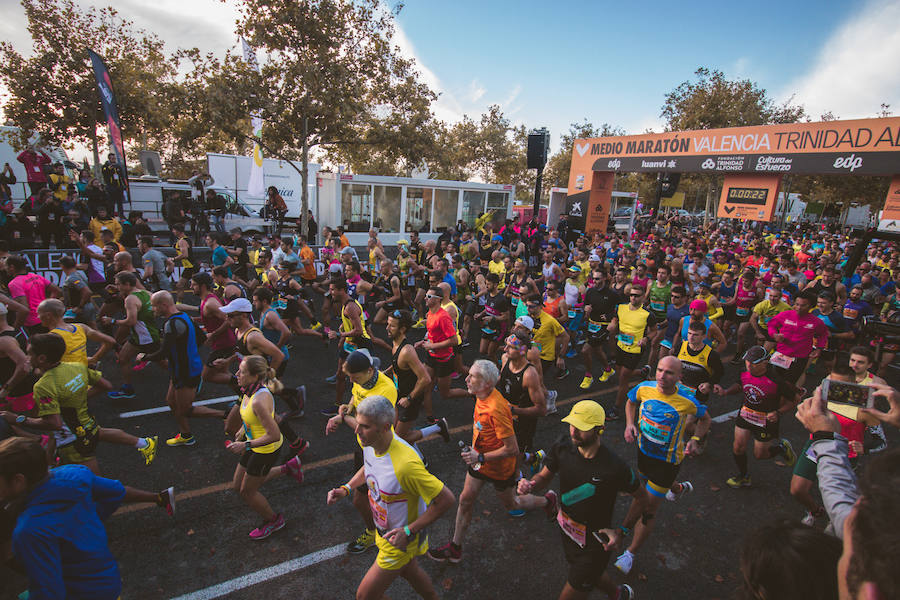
716 368
837 483
39 554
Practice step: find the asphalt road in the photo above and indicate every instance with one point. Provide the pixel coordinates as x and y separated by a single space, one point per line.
204 552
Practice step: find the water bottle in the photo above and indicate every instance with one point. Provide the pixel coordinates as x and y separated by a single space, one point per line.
463 447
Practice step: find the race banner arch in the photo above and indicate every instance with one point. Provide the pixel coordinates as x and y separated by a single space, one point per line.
753 159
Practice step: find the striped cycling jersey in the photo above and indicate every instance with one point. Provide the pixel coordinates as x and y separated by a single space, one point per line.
662 419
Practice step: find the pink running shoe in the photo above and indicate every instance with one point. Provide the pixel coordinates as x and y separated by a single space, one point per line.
268 528
293 468
140 366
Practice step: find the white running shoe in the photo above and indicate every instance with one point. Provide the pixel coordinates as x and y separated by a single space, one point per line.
551 401
686 488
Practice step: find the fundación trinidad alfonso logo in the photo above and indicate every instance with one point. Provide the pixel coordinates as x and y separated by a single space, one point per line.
708 164
582 148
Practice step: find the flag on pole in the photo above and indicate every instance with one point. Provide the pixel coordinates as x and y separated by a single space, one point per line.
111 111
256 186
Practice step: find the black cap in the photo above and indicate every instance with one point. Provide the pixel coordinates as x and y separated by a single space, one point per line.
756 355
360 360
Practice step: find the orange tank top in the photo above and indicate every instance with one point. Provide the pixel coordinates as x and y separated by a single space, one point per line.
551 307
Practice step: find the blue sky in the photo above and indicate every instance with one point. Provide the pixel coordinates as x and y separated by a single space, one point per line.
550 64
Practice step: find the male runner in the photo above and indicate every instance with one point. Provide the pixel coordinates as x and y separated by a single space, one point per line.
678 309
552 338
600 302
766 397
180 347
494 317
657 414
352 335
659 295
701 366
520 383
861 360
590 477
404 497
439 341
140 323
712 335
763 313
798 337
631 326
75 335
492 458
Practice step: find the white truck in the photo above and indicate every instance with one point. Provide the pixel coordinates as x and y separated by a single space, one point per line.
232 173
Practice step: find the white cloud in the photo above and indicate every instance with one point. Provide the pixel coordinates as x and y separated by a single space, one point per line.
856 69
476 91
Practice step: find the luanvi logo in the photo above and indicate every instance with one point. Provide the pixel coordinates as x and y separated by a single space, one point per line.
582 148
708 164
851 162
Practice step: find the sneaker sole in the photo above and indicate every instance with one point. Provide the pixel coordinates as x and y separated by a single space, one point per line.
360 551
444 560
190 443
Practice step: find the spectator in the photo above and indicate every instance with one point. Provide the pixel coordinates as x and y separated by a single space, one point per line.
173 212
101 220
116 181
59 182
240 253
34 163
7 178
95 196
215 206
275 208
198 182
84 179
141 227
21 230
128 238
50 218
220 256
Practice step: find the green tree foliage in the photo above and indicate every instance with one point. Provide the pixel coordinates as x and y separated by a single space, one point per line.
53 91
556 173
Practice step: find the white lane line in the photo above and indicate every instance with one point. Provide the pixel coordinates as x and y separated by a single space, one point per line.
165 409
726 416
245 581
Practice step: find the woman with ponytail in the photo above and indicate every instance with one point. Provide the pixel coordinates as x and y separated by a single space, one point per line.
259 442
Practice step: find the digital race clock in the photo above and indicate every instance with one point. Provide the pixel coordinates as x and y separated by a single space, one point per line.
743 195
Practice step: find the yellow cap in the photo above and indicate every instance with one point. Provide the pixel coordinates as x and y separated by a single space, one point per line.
402 242
586 415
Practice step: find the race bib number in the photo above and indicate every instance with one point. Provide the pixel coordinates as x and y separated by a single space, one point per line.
754 417
657 433
657 306
781 360
576 531
379 514
411 280
594 327
851 313
572 313
666 344
348 347
626 339
514 300
741 311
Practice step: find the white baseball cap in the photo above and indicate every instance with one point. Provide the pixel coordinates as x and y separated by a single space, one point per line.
238 305
525 321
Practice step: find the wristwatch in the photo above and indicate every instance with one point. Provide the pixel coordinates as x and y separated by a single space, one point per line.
248 443
825 435
480 458
20 419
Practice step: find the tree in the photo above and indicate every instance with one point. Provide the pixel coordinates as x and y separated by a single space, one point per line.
332 77
54 93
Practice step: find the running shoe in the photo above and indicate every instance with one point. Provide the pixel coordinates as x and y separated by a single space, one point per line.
167 500
551 401
149 451
300 398
877 432
572 353
790 457
447 552
126 392
516 513
612 414
365 541
606 375
180 440
294 468
625 562
140 366
330 411
562 374
552 506
587 382
268 528
809 519
299 446
645 371
625 592
317 326
332 379
537 461
444 429
686 488
738 482
420 324
466 344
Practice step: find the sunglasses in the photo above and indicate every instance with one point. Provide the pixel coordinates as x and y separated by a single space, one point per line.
635 295
530 305
431 296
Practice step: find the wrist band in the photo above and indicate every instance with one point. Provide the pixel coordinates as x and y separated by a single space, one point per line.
407 531
695 438
624 530
347 487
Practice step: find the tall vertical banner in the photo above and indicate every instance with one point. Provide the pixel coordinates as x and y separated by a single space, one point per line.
110 111
599 201
257 185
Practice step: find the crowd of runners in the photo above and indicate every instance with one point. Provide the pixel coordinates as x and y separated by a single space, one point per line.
657 315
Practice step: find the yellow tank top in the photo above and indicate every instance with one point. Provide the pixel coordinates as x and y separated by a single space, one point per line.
179 256
76 343
701 359
500 269
632 324
253 428
347 325
444 305
372 261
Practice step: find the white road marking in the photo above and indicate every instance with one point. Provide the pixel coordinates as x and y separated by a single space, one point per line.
165 409
245 581
726 416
